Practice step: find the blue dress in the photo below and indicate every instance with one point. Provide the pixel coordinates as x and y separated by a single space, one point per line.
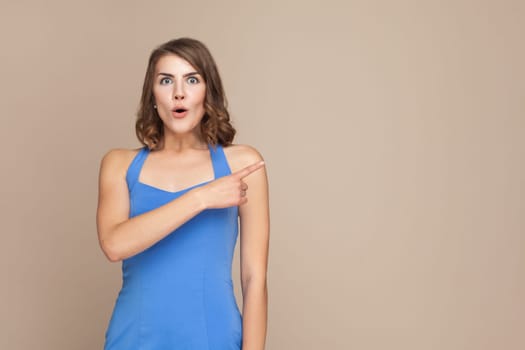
178 293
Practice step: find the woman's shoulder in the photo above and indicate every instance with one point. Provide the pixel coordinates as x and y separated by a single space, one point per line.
119 159
241 155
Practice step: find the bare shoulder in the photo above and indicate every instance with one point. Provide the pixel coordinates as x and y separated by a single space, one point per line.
117 160
241 155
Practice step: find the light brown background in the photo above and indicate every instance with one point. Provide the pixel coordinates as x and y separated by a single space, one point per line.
393 133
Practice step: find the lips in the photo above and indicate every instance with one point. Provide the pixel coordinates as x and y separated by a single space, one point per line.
179 112
179 109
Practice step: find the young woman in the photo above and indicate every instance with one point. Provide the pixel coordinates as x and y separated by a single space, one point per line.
169 212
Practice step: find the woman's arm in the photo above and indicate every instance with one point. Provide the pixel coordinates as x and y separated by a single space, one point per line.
254 244
121 237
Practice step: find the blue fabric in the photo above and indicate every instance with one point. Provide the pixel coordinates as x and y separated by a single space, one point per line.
178 293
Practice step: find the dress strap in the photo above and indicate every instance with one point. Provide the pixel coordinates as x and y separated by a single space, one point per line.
132 175
220 163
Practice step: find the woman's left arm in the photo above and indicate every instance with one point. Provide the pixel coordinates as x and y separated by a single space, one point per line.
254 243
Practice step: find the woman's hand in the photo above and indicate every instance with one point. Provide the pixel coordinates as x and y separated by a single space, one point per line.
226 191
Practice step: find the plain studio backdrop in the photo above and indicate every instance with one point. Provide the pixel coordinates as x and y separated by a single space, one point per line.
394 140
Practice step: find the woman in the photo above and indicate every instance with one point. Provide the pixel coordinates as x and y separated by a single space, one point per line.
169 210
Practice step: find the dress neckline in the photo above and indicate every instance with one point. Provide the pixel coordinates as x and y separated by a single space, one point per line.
155 188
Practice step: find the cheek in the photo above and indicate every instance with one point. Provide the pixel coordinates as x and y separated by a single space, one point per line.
196 97
157 96
201 95
160 92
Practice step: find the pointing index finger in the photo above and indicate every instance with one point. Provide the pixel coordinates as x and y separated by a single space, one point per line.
249 169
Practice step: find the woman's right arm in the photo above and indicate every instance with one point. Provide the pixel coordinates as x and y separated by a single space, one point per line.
120 236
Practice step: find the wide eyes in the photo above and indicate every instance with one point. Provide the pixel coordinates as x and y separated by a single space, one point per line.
191 80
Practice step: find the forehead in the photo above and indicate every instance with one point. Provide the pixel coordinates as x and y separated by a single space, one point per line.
173 64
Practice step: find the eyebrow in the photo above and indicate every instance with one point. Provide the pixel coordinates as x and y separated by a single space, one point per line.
185 75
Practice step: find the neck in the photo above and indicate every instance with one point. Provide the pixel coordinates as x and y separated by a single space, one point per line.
181 142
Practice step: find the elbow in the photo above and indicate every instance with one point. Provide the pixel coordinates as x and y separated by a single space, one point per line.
110 250
112 257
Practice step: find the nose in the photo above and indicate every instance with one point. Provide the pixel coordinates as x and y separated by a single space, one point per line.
178 93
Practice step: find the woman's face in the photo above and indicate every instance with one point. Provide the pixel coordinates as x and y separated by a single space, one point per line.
176 84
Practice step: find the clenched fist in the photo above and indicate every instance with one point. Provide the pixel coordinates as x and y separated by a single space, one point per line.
226 191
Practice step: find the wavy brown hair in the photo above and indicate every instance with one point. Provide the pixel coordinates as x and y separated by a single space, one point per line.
215 124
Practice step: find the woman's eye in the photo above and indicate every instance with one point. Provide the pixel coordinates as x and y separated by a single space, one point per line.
193 80
164 79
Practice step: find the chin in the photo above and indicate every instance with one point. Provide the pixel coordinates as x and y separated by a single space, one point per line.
181 130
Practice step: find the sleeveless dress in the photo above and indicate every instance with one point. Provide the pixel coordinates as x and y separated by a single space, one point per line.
178 293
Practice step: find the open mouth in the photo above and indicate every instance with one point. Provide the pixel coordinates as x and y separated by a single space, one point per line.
179 112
